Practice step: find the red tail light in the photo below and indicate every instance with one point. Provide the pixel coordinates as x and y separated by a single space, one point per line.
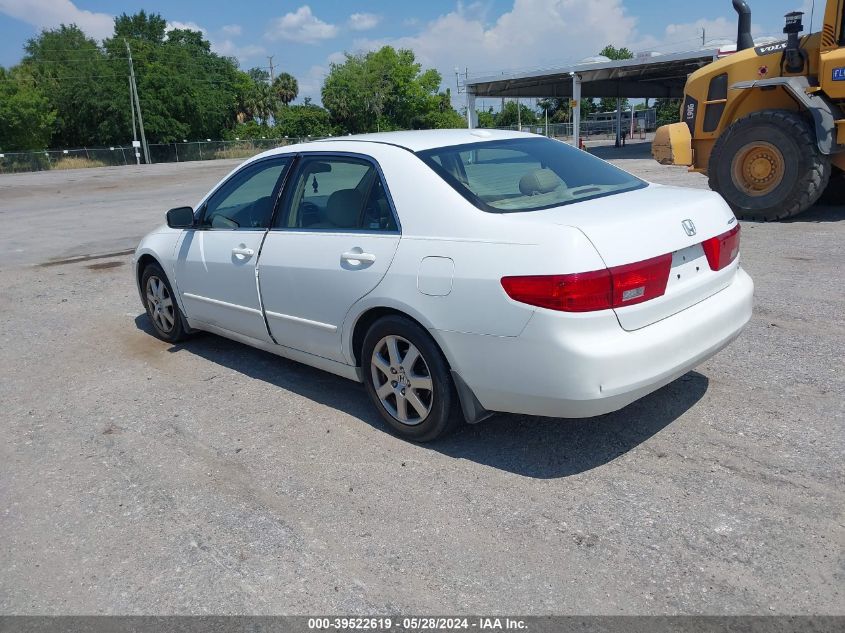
595 290
722 249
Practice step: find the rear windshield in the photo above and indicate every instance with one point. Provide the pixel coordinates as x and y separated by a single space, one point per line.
526 174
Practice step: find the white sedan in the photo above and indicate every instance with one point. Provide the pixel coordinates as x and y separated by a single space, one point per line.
455 272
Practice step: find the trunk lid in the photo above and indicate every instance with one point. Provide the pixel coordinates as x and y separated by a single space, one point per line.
638 225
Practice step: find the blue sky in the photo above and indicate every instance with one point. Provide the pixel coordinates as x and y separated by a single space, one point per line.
486 37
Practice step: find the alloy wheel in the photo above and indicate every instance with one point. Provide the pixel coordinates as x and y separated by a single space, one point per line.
402 380
160 304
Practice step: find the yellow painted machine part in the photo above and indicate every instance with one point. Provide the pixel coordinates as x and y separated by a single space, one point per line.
672 145
828 61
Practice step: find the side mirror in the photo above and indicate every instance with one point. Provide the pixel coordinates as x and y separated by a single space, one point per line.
180 218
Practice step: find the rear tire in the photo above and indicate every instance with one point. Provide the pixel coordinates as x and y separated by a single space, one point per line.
408 380
768 167
161 305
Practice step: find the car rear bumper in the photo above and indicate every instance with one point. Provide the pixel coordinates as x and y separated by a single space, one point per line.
574 366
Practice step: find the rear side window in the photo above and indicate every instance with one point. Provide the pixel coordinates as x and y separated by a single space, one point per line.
337 193
526 174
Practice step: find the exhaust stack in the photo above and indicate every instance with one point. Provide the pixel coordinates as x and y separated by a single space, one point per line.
743 31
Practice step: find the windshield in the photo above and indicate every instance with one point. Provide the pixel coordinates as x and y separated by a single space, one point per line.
526 174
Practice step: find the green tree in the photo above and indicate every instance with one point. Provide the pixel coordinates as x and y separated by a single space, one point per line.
250 130
26 120
486 118
261 102
285 87
299 121
608 104
78 81
667 111
185 90
439 114
142 26
259 74
384 89
509 115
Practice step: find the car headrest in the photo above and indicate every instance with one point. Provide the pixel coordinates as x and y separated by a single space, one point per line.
539 181
344 208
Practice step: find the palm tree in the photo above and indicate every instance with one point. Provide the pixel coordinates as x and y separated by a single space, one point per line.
285 87
260 102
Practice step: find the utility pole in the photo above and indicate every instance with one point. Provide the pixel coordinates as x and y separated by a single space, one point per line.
703 36
134 129
137 102
270 60
518 115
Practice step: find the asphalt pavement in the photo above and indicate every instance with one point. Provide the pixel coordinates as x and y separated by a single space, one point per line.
208 477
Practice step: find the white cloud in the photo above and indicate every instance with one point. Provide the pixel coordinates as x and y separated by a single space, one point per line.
363 21
534 33
232 29
337 57
190 26
537 34
229 48
311 84
45 14
222 46
301 26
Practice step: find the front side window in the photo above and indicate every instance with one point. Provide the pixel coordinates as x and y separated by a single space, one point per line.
246 200
332 193
526 174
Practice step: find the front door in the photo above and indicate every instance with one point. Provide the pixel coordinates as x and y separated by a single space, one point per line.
216 262
331 245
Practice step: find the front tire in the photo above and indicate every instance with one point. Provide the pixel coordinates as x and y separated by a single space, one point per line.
408 380
160 302
768 167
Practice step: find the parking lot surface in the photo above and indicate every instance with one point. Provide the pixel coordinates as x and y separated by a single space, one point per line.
210 477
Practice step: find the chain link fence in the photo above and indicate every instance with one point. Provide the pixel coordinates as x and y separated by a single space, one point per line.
589 128
119 155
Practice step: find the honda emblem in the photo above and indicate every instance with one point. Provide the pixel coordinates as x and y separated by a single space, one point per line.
689 227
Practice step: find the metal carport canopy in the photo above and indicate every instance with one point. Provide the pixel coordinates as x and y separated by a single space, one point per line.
654 77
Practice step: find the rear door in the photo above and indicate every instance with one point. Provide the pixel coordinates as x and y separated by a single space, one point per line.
216 262
331 244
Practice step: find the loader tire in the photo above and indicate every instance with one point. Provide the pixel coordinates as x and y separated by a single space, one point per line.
768 167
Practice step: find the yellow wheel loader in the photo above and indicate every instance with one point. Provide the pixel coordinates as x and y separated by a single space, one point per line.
767 123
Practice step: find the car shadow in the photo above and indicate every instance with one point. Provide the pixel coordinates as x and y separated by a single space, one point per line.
541 448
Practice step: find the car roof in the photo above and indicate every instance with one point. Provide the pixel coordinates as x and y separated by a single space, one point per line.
413 140
418 140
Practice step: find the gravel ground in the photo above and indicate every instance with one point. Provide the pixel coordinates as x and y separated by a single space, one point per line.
142 478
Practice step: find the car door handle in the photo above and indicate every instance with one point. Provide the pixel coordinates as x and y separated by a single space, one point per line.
352 256
244 252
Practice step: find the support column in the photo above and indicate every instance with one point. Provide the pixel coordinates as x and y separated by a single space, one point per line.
576 111
471 116
618 122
